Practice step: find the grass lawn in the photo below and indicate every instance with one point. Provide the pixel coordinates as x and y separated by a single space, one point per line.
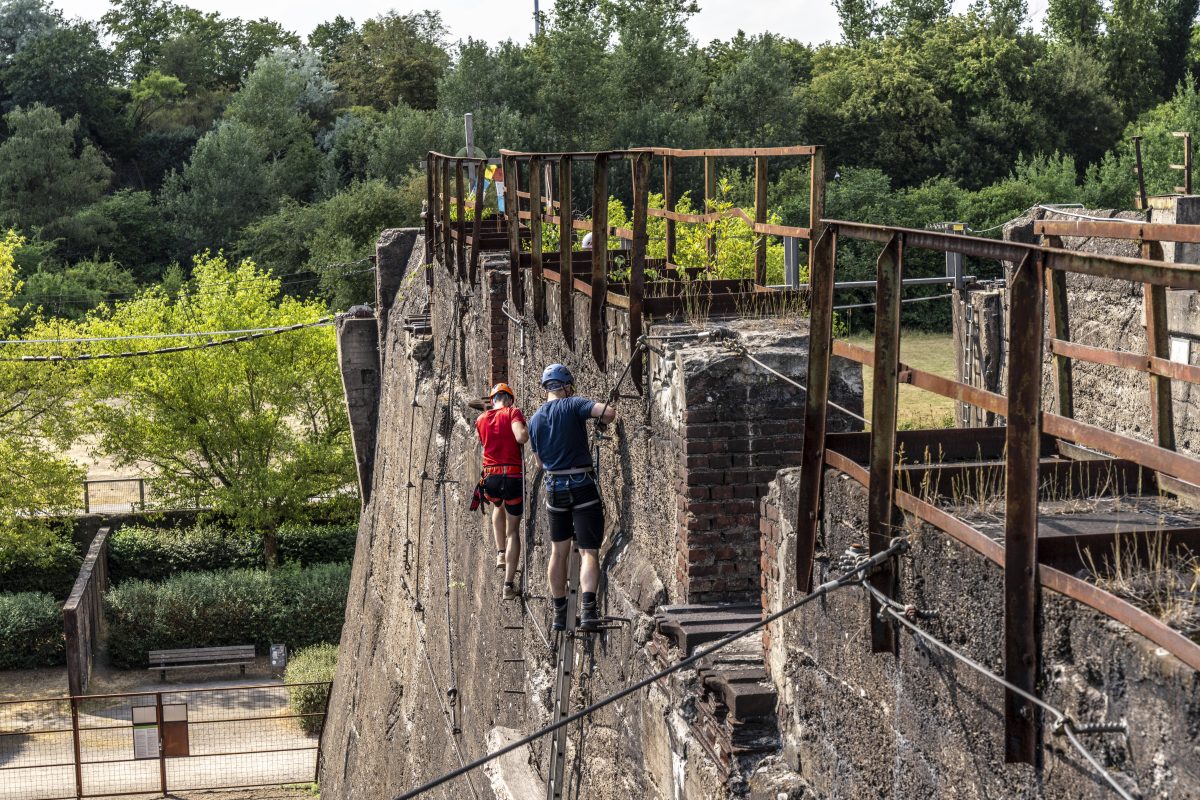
932 352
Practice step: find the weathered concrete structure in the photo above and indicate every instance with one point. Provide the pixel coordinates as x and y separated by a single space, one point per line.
699 486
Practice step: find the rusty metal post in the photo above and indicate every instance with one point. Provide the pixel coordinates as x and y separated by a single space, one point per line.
1158 345
429 206
760 217
447 240
1023 444
599 259
1141 173
816 404
669 205
75 744
566 275
1186 166
460 248
162 758
329 688
881 506
816 204
512 185
710 196
535 240
1060 328
477 227
637 266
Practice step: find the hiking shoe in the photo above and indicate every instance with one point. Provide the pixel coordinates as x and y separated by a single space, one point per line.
588 618
500 560
510 591
560 619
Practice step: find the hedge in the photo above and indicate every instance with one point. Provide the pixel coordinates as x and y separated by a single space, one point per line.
50 566
293 605
31 631
311 665
158 553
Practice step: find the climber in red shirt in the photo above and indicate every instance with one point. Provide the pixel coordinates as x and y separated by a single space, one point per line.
502 431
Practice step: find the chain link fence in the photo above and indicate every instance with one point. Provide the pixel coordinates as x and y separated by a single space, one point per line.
160 742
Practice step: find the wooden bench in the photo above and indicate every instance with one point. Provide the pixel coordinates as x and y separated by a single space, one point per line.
163 660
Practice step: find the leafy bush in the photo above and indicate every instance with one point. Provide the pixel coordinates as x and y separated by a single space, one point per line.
31 631
293 605
158 553
41 562
313 664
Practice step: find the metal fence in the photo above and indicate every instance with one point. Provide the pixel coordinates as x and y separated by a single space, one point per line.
116 495
82 613
160 742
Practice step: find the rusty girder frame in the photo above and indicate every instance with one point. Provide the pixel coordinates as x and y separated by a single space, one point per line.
1039 268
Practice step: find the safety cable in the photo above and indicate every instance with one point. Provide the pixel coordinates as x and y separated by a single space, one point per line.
132 336
740 348
180 349
1062 722
905 300
857 575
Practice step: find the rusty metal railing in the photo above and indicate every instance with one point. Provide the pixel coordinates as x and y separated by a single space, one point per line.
1038 268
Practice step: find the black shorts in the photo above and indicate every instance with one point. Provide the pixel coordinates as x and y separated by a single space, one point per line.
575 511
507 491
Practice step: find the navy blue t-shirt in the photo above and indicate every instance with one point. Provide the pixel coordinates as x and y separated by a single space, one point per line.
558 433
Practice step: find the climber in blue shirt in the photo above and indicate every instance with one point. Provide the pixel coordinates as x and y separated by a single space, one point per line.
559 441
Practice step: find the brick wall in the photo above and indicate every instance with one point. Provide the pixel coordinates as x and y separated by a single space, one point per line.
770 541
497 293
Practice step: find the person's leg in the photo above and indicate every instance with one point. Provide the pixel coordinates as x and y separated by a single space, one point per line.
556 570
589 534
512 556
499 528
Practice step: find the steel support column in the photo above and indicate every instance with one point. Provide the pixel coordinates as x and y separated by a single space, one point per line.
760 217
1158 345
535 241
477 227
599 259
566 275
669 205
460 202
1060 325
637 262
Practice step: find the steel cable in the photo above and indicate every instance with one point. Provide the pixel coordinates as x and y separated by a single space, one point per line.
741 349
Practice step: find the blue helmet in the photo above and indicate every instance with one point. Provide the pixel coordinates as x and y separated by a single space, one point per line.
556 373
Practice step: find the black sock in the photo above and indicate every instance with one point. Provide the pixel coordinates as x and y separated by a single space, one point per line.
560 602
589 599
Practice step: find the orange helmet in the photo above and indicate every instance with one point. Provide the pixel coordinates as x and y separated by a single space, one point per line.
501 387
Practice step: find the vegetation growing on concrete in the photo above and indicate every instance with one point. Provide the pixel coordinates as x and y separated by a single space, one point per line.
313 664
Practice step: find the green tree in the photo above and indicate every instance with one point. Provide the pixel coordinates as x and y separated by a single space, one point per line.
45 175
69 292
255 430
1074 21
392 58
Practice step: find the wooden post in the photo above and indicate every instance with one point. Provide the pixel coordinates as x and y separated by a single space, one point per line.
566 275
1158 345
881 507
669 204
816 204
430 205
816 405
760 217
535 240
710 195
1060 327
637 265
477 227
1023 438
460 248
599 259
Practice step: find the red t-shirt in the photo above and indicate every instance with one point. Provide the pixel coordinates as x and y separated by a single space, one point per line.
500 447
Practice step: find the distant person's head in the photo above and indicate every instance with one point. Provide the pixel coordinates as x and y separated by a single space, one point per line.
557 380
586 244
501 395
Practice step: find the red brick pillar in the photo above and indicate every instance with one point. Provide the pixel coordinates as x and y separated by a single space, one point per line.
497 288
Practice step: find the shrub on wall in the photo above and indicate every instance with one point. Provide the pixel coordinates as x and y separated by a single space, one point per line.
158 553
31 631
311 665
293 605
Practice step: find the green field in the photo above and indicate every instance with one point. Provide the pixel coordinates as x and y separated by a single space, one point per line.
932 352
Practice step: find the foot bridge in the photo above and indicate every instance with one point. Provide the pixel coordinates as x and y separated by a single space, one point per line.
1052 500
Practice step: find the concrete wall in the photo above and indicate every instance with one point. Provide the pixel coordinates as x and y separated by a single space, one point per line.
857 724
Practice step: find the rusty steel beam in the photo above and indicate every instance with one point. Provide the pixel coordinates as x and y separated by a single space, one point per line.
637 264
881 507
460 249
760 218
816 201
535 241
599 260
447 238
1022 624
566 310
1158 345
477 228
1060 328
734 152
1124 229
669 203
816 406
512 184
430 204
710 193
1177 465
1126 360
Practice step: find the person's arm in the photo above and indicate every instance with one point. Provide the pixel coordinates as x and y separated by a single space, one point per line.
604 412
520 432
